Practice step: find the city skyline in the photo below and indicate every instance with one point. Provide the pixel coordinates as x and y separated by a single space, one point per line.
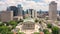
14 20
28 4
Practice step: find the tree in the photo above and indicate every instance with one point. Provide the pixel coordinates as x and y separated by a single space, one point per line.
4 29
7 24
1 24
4 32
20 33
36 33
49 25
13 23
36 20
55 30
40 22
10 32
40 29
46 31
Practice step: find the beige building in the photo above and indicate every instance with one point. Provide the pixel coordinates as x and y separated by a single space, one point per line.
53 10
17 18
35 14
6 16
28 26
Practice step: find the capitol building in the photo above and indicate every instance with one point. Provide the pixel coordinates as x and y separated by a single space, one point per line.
28 26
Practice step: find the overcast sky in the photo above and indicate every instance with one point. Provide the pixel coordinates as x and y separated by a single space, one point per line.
34 4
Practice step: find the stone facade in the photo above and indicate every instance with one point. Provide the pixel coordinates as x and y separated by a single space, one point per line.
6 16
53 11
17 18
28 26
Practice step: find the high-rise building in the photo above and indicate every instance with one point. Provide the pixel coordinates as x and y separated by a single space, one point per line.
59 13
53 10
32 13
35 13
6 16
14 9
20 10
23 13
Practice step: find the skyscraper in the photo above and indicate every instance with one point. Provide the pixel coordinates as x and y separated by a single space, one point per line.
53 10
20 9
32 13
23 13
35 14
14 9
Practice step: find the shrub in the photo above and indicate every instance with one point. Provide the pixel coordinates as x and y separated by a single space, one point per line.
55 30
36 20
46 31
49 25
20 33
13 23
40 22
40 29
21 20
36 33
4 29
1 24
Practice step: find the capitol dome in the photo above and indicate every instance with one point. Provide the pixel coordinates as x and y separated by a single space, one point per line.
29 20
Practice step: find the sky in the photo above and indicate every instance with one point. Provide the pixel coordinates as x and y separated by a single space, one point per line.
29 4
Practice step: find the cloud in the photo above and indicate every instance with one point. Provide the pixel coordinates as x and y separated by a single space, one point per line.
28 4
